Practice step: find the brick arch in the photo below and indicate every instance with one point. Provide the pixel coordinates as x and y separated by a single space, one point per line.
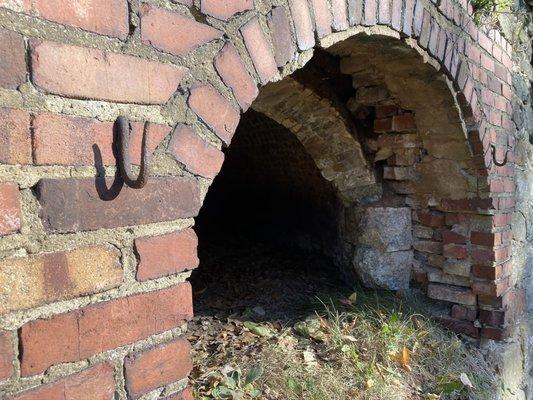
70 70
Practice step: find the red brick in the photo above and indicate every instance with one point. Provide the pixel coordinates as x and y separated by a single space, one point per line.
456 251
108 17
198 156
57 68
487 272
340 15
403 123
44 278
95 383
259 50
12 60
10 216
63 140
452 237
302 24
323 18
464 313
224 9
491 317
167 254
185 394
6 356
493 289
15 137
231 69
157 367
382 125
484 255
101 327
465 327
386 111
484 238
72 205
280 30
453 294
431 218
215 111
174 33
496 333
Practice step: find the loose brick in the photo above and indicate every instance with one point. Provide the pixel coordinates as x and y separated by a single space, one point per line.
282 41
224 9
167 254
198 156
10 218
72 205
95 383
108 17
12 60
452 294
28 282
340 15
323 17
57 68
101 327
157 367
259 50
302 24
231 69
63 140
15 137
215 111
6 356
172 32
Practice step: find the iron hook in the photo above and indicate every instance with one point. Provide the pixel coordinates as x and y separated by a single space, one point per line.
124 162
500 164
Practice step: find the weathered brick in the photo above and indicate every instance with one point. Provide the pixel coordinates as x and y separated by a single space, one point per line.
6 356
465 313
485 238
231 69
403 123
493 289
340 15
452 294
71 205
465 327
15 137
12 60
431 218
97 382
32 281
382 125
215 111
172 32
108 17
456 251
100 327
282 41
496 333
449 236
64 140
198 156
323 18
10 215
302 24
57 68
259 50
167 254
157 367
224 9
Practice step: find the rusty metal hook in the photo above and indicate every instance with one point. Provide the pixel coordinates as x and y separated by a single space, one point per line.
124 162
500 164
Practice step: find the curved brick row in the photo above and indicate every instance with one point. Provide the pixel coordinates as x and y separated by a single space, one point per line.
193 75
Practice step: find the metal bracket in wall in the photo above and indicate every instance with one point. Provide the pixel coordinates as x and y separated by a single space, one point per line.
499 164
124 132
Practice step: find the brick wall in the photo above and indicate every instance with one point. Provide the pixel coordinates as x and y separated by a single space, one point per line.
89 298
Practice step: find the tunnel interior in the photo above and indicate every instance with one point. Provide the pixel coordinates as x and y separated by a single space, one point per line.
268 229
